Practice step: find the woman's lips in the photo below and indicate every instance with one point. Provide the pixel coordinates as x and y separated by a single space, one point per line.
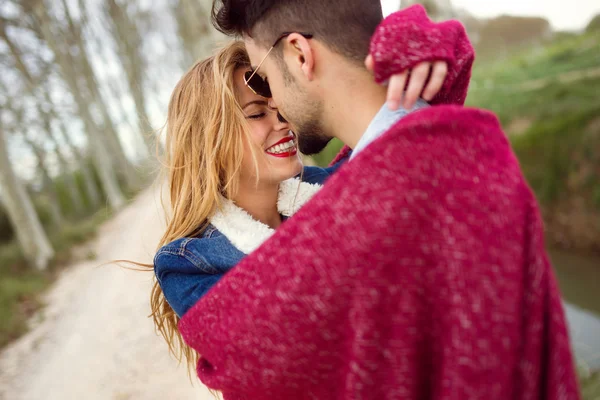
283 140
290 153
286 147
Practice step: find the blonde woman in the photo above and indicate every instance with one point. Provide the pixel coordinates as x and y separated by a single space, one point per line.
235 175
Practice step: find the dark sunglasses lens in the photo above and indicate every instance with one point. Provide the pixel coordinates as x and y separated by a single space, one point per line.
257 84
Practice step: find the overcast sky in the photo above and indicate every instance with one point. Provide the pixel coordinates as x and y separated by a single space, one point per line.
563 15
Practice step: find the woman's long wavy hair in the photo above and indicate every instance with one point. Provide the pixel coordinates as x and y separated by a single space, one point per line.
205 134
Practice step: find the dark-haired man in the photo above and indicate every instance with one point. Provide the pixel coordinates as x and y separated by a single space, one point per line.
419 270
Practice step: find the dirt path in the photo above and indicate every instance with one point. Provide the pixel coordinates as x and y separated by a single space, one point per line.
94 340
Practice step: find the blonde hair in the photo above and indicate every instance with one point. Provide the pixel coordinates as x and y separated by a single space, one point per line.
206 130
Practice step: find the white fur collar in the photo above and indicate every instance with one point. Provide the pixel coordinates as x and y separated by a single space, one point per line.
246 233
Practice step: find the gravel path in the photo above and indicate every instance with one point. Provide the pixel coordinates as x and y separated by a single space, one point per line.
94 340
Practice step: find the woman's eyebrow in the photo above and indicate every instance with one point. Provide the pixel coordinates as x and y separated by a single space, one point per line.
259 102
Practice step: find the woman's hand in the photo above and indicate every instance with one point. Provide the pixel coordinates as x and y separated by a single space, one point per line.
416 84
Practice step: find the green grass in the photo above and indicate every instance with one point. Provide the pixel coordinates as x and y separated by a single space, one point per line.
324 157
20 286
19 289
554 124
499 86
556 148
590 383
566 54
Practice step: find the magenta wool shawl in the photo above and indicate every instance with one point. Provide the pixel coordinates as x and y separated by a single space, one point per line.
417 272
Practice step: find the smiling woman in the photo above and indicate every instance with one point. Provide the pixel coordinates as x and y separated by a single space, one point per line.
231 160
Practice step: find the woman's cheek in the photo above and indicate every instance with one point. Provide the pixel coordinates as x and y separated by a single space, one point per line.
260 132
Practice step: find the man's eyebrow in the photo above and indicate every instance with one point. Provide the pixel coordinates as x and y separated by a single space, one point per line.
259 102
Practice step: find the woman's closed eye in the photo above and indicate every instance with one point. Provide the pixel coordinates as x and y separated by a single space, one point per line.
257 115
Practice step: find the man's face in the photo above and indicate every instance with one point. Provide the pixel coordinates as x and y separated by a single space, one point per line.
292 95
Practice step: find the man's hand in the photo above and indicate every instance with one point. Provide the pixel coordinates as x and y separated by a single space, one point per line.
416 85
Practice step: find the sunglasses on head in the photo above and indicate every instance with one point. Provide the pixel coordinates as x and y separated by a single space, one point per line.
254 81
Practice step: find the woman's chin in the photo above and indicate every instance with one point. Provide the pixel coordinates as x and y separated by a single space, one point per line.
283 174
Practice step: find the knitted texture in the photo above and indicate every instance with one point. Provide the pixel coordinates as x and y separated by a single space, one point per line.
407 38
417 272
342 155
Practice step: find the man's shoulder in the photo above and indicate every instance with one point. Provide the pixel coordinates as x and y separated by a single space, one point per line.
447 145
444 120
442 132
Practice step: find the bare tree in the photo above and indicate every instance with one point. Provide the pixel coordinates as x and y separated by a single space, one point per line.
61 134
100 153
65 171
47 181
193 27
75 35
31 83
34 243
129 48
89 182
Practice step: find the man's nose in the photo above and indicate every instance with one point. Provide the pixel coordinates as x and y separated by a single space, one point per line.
271 103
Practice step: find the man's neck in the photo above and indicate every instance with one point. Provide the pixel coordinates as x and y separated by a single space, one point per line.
352 104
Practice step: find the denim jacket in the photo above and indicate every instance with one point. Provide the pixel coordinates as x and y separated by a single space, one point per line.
187 268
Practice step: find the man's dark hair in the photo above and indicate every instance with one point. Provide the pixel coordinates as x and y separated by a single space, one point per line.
345 26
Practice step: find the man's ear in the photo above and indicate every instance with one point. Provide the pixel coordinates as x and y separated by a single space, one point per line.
302 54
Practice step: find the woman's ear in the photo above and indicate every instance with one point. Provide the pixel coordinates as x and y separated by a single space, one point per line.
302 54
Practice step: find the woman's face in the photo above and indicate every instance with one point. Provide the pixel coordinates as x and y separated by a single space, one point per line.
278 159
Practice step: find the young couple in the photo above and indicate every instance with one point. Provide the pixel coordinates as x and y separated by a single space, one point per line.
417 271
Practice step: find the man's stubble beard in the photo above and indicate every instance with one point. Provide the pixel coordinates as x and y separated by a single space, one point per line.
306 116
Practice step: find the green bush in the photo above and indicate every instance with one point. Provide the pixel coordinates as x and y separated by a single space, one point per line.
18 300
328 154
11 257
18 289
20 286
594 25
590 383
548 152
6 230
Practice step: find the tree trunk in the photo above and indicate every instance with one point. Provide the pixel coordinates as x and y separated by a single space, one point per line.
129 48
99 151
69 178
124 167
113 86
89 182
193 26
65 171
48 184
31 236
70 182
55 211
